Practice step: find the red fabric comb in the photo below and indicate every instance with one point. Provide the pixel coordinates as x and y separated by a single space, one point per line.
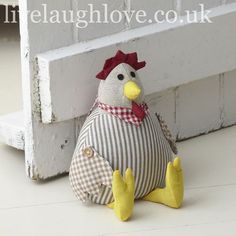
120 57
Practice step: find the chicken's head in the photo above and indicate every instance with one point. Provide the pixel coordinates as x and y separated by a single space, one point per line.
120 84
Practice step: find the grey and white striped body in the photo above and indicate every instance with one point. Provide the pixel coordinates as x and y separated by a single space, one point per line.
144 149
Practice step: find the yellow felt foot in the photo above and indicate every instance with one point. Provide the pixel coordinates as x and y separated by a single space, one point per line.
123 193
172 194
110 205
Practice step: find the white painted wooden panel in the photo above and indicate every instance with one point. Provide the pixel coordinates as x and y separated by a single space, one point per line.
175 54
164 103
198 107
150 7
230 98
229 1
48 148
191 5
96 30
12 130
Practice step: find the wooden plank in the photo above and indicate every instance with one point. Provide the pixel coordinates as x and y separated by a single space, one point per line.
197 110
191 110
150 9
229 98
194 5
96 30
164 103
48 149
12 130
175 53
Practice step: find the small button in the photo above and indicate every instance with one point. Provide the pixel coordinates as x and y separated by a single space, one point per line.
88 152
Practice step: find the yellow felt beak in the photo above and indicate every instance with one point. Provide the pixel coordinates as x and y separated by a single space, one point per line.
132 90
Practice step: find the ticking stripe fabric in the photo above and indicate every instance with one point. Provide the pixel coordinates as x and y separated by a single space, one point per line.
142 148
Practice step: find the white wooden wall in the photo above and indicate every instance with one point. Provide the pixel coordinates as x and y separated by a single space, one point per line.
198 107
59 62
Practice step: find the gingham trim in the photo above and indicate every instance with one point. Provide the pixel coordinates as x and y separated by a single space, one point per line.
124 113
88 174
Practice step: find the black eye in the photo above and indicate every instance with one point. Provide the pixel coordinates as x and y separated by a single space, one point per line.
120 77
132 74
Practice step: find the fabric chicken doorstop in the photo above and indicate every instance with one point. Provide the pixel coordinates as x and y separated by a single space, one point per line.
125 151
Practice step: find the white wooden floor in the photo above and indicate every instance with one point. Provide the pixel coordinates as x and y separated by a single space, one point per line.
50 208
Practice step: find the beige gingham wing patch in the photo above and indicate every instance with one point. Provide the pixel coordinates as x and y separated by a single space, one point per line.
167 134
88 172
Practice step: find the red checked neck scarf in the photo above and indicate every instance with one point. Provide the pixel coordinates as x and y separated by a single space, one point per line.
134 115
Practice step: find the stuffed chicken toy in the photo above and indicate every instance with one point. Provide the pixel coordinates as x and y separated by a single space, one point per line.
124 151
